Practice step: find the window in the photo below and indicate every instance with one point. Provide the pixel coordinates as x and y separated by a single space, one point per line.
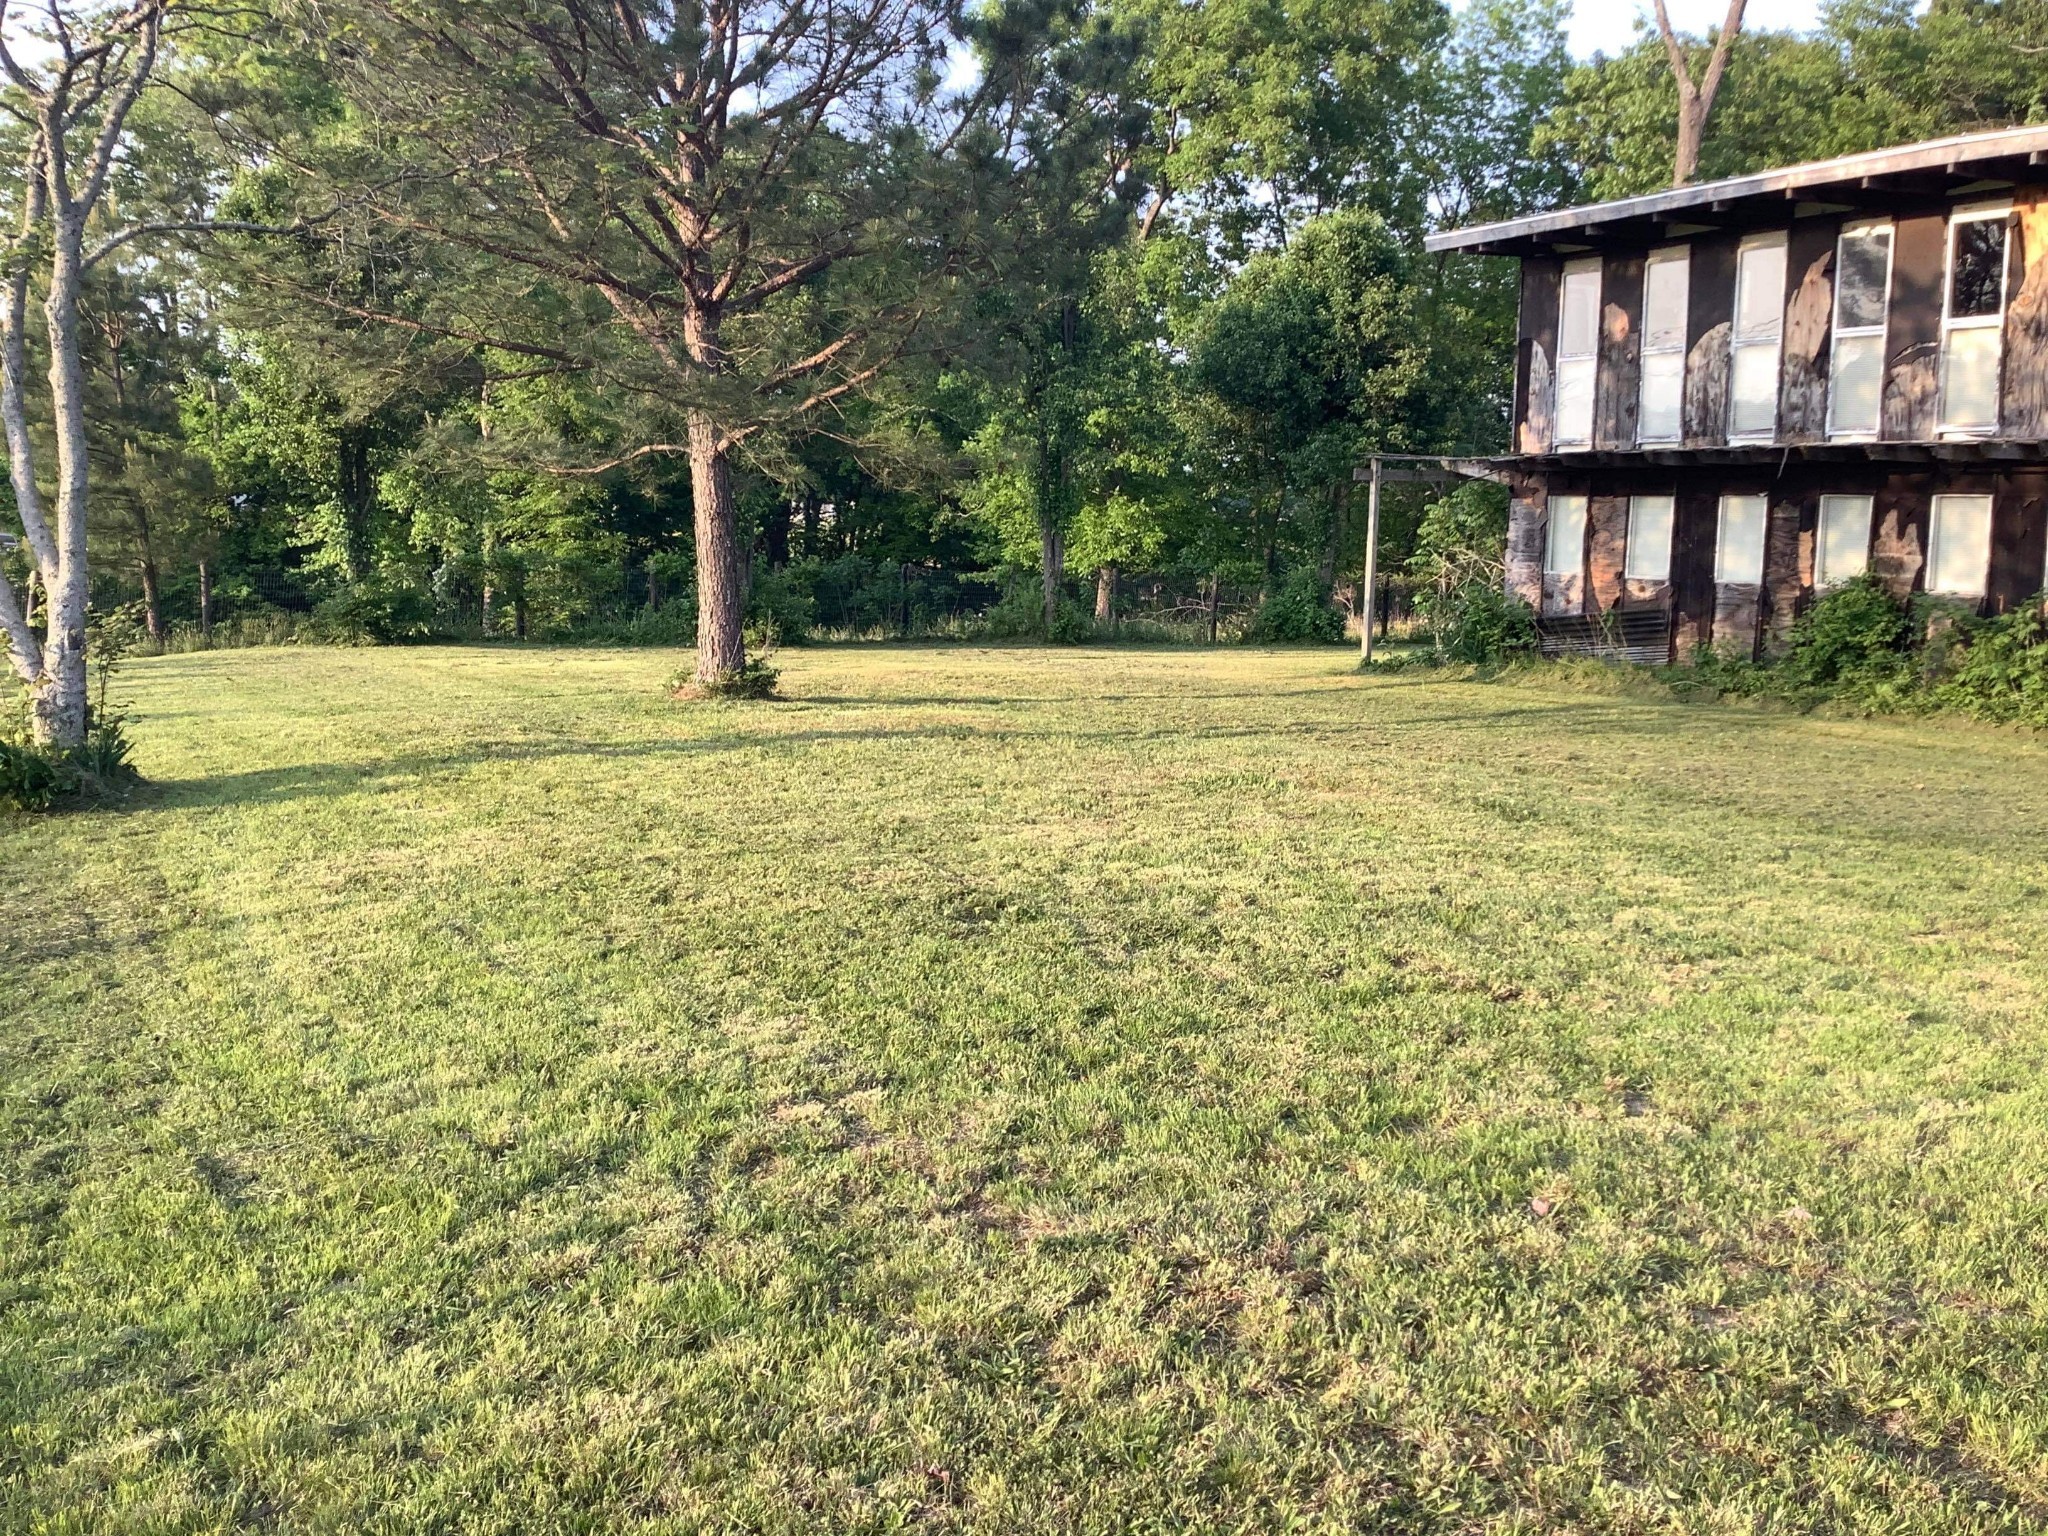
1959 545
1665 279
1739 545
1842 552
1973 321
1759 327
1649 538
1564 550
1578 353
1863 285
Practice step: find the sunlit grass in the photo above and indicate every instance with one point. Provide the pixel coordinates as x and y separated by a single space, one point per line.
1021 1090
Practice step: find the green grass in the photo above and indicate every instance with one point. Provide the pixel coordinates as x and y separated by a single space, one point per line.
1019 1090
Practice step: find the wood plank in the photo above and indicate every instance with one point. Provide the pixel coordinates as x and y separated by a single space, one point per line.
1709 329
2019 539
1786 576
1737 608
1606 551
1912 368
1526 517
1536 355
1618 397
1809 326
2023 409
1898 551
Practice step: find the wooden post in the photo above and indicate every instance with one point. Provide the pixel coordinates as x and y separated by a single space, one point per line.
1372 565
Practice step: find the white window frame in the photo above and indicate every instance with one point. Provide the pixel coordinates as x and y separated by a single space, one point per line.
1681 257
1630 569
1974 214
1882 330
1774 340
1550 527
1863 511
1934 542
1722 575
1589 361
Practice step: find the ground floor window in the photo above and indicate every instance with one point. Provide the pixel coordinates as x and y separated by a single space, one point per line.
1564 551
1739 543
1649 538
1959 545
1842 551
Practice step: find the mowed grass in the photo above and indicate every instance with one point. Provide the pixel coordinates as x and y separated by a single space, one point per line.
1021 1090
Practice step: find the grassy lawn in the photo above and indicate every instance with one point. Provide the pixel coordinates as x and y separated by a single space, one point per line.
1017 1090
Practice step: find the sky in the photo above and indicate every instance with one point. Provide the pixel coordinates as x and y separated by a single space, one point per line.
1610 25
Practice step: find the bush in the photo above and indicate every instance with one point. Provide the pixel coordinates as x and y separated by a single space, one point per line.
1479 624
780 608
373 612
1855 633
2003 671
33 778
755 680
1297 612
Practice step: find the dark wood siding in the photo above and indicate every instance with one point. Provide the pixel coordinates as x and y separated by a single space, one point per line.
2025 405
1536 356
1809 323
1710 310
1913 351
1619 395
1692 569
2019 519
1526 505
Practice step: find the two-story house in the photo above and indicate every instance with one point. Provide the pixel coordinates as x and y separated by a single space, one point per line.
1729 396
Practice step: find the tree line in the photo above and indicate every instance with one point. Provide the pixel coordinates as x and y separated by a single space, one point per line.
696 319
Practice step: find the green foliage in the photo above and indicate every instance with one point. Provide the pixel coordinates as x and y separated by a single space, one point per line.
1479 624
1296 612
2003 671
376 611
755 680
1855 634
780 609
33 778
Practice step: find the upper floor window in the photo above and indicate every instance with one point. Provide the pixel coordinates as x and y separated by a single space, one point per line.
1973 320
1578 353
1759 332
1564 544
1666 277
1863 285
1649 538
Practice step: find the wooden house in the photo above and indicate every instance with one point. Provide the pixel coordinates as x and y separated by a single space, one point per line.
1730 396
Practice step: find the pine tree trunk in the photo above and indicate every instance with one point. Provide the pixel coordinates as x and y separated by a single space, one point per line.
152 607
205 601
1215 602
721 592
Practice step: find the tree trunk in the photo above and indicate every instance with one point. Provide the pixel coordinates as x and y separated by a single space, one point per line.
1340 505
519 614
1215 602
485 625
1105 597
1052 556
58 700
205 601
152 607
358 500
721 587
